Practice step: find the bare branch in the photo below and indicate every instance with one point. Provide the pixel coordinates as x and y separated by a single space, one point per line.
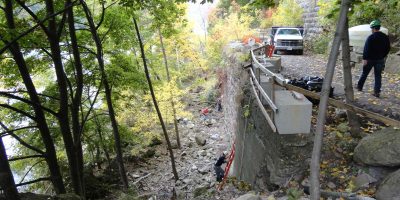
23 91
33 15
27 102
87 49
33 181
103 11
84 120
18 111
29 170
62 22
20 140
5 133
47 52
26 157
40 23
26 144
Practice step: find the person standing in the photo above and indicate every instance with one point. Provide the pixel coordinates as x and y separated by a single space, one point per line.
376 49
219 172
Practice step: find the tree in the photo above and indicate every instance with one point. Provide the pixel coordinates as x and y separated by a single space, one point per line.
288 13
169 80
39 118
7 183
326 86
171 153
353 119
107 89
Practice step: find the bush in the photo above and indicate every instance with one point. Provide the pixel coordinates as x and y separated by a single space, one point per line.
288 13
319 44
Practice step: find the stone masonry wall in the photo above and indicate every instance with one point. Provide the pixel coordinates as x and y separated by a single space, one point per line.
310 17
263 159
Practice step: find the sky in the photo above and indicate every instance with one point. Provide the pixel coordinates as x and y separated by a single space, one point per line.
197 13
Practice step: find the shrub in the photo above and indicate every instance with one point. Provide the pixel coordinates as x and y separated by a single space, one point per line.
319 44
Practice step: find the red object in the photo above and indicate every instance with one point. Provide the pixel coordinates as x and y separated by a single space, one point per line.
246 38
227 167
204 111
269 50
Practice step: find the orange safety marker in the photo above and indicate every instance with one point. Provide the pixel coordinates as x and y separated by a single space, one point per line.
227 167
271 49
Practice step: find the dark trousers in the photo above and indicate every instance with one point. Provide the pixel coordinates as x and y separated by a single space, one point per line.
378 66
219 172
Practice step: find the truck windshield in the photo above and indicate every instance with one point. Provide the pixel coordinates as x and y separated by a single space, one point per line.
288 32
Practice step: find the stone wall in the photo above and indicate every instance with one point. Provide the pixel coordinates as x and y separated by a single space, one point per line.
310 17
263 159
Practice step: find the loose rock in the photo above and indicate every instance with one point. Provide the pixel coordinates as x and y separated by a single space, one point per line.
249 197
389 188
200 140
370 152
363 180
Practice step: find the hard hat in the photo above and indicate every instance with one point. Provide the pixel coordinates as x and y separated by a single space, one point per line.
225 153
375 23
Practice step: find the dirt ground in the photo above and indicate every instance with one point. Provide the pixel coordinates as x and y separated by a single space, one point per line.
154 180
296 66
194 162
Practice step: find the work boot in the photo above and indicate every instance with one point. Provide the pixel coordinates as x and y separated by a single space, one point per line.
376 94
358 88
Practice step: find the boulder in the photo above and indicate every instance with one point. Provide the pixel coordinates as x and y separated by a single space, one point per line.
392 63
379 149
389 188
204 170
363 180
202 153
200 140
249 197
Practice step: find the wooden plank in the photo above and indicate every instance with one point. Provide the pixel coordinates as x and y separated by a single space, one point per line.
278 78
270 102
264 112
340 104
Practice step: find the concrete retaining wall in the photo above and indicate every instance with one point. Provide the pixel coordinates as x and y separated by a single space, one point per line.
263 158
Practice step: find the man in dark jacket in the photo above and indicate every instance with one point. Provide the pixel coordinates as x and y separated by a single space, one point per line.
376 49
217 167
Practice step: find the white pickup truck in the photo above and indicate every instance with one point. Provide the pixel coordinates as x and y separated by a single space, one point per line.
288 39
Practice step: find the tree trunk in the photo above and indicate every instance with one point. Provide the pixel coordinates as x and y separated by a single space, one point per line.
353 119
7 183
76 101
51 157
63 117
171 153
99 133
330 69
107 89
178 141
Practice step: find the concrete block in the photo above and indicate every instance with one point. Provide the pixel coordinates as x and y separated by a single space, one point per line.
294 112
273 63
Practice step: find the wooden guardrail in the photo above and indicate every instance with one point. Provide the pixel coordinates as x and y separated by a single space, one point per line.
278 79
